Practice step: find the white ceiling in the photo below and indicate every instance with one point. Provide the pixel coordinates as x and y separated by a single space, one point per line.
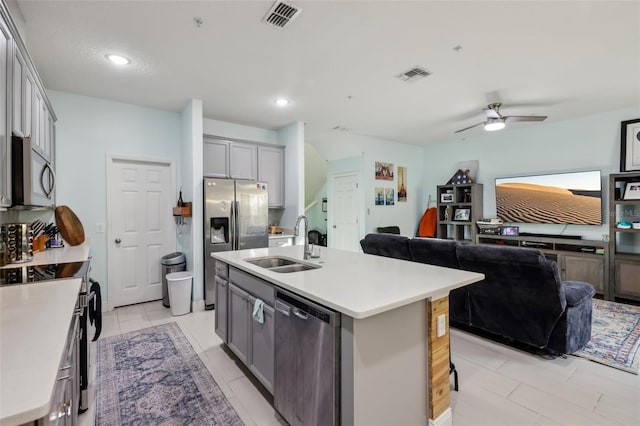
338 60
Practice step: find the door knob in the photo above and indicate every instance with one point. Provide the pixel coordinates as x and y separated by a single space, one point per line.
118 240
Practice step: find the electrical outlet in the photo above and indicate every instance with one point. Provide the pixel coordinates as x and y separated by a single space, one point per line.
440 329
99 228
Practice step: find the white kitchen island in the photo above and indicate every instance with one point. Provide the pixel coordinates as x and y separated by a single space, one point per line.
34 325
394 363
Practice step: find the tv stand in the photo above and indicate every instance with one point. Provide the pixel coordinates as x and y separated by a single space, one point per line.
559 236
578 259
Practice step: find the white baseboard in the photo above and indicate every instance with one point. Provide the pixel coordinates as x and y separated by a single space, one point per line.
444 419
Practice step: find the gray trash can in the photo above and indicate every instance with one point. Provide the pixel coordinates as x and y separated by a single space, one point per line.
173 262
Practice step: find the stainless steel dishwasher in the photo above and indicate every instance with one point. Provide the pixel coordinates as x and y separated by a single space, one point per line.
307 361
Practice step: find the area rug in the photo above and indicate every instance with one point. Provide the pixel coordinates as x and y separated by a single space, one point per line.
615 336
154 377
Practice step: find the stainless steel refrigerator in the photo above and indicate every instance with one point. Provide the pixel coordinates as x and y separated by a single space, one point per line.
235 218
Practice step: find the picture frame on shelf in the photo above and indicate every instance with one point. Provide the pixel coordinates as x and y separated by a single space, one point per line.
630 145
446 197
462 214
632 191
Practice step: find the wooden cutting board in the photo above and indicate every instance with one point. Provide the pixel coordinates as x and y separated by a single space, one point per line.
69 226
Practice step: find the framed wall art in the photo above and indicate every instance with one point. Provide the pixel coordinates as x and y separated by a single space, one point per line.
632 191
389 196
379 197
384 171
402 184
461 214
630 145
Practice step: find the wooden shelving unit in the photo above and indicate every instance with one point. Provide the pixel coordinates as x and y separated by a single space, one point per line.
578 260
624 244
459 208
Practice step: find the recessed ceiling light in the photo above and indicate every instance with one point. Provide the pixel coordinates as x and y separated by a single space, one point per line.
118 59
281 102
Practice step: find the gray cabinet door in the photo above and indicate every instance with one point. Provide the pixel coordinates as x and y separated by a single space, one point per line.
238 326
5 106
589 269
19 76
271 171
262 345
243 161
221 310
215 158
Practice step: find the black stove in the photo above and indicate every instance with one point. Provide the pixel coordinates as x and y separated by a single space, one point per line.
28 274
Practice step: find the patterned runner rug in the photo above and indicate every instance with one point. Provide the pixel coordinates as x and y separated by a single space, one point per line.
615 336
154 377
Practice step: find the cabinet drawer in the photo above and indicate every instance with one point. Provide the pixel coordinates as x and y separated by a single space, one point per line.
280 242
222 269
252 285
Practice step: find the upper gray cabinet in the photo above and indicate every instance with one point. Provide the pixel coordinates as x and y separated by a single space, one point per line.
244 160
24 107
227 159
271 171
5 114
215 158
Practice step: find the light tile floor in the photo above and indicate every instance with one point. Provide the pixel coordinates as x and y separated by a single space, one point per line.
499 385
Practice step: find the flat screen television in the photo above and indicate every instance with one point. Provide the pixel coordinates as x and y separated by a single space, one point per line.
563 198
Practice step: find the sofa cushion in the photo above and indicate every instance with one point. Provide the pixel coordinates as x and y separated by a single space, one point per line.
387 245
434 251
576 291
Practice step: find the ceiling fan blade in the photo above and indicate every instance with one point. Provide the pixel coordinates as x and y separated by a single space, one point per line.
470 127
511 118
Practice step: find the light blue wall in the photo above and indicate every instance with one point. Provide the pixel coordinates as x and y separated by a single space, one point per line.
87 130
238 131
405 215
587 143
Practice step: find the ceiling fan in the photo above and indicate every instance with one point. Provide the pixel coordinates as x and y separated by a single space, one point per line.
497 121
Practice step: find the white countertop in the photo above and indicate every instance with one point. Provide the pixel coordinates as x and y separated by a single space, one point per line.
65 254
355 284
34 322
276 236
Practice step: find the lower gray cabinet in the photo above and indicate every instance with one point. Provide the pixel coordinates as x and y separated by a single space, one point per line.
587 268
262 348
250 340
222 291
238 322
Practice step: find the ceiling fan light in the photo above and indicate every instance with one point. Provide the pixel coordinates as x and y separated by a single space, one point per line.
493 124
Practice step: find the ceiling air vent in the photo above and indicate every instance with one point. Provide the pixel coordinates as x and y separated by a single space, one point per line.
413 74
281 14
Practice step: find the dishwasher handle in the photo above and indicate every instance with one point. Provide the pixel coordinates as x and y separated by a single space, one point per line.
300 314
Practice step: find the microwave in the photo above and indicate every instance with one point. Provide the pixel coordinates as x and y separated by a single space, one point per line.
33 179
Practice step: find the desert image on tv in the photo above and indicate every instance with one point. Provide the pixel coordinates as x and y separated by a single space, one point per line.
526 202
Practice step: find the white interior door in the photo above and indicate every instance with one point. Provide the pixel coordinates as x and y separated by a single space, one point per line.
345 213
140 196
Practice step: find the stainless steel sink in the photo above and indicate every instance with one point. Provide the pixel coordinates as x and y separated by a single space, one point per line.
281 264
271 261
298 267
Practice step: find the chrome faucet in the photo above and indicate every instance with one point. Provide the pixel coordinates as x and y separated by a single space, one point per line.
296 232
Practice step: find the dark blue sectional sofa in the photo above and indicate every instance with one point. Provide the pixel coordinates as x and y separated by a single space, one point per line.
521 298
